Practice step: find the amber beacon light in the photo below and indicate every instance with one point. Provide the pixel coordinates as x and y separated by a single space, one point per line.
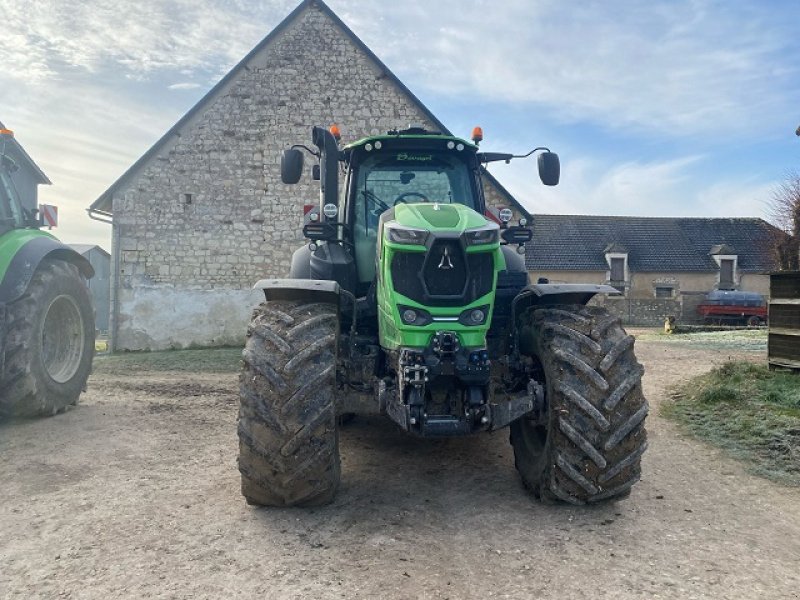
334 129
477 135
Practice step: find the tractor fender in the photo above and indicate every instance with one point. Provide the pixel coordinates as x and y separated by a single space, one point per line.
27 259
548 294
304 290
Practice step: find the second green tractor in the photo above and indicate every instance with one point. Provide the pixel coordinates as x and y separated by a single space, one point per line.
412 300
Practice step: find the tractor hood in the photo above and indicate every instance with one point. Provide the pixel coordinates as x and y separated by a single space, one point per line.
436 217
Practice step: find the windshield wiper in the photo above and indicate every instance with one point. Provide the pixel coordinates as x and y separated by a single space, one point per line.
373 197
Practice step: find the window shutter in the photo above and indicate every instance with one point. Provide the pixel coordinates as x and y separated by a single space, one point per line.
617 269
726 274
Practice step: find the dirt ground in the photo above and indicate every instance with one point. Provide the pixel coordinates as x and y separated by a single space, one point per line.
134 494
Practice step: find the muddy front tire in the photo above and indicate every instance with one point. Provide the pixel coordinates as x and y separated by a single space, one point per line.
48 344
588 446
288 442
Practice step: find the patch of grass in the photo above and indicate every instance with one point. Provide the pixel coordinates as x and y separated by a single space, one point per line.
206 360
748 410
744 340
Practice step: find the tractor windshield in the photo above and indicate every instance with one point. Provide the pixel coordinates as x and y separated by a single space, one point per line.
10 212
384 180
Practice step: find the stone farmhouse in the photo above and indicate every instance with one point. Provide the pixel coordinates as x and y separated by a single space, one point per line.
203 215
663 266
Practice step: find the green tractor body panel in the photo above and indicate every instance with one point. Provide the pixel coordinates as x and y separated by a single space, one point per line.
12 242
440 222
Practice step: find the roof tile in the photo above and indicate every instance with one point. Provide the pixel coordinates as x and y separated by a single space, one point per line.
654 244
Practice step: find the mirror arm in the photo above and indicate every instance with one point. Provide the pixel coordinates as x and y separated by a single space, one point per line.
531 152
307 149
487 157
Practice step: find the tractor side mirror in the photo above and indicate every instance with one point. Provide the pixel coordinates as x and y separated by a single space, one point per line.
291 166
549 168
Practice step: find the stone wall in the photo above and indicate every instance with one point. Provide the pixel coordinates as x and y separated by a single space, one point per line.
639 306
208 216
691 300
641 312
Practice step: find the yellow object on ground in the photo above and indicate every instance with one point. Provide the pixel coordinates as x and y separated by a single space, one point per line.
669 324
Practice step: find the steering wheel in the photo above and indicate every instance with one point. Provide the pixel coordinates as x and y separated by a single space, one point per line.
402 197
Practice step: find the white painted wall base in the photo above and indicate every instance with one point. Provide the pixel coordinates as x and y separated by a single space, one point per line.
162 317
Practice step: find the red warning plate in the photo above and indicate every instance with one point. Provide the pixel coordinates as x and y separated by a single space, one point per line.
49 215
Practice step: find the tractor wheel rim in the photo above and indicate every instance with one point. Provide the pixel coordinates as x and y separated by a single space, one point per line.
63 339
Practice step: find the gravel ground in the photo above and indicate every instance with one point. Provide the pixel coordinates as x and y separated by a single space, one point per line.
134 494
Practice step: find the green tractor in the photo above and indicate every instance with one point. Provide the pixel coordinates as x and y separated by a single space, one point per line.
412 301
46 314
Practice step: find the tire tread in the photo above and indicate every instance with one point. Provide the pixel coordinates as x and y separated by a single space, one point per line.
288 445
596 435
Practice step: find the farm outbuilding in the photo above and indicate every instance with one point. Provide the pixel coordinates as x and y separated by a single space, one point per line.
661 265
100 284
203 215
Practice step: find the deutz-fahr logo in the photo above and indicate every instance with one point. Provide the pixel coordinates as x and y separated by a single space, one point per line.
445 263
414 157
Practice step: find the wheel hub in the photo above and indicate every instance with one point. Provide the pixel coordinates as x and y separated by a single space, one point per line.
63 339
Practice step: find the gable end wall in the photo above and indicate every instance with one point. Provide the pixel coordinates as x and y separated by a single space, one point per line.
186 266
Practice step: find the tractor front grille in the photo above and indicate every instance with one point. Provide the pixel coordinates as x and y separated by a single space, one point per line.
406 270
445 272
444 275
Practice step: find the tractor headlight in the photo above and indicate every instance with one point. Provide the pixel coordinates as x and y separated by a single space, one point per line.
474 316
485 235
406 235
414 316
330 211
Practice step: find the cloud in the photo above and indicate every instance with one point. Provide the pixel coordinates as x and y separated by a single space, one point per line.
141 38
656 188
83 137
691 67
184 86
683 67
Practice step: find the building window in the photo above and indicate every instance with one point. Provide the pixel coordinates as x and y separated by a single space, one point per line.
618 269
728 263
665 292
727 268
617 275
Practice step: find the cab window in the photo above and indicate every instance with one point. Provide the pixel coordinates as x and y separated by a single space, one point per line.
10 213
388 179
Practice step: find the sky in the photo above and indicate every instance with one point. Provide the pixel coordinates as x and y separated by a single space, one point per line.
656 108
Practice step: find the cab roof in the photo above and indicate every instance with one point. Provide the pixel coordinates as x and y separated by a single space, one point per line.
410 134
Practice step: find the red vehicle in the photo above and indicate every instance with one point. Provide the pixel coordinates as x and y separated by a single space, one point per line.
733 308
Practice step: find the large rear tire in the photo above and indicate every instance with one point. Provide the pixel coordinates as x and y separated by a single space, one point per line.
288 442
589 445
48 344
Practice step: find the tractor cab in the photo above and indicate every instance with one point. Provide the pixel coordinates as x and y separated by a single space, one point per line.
11 213
404 169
